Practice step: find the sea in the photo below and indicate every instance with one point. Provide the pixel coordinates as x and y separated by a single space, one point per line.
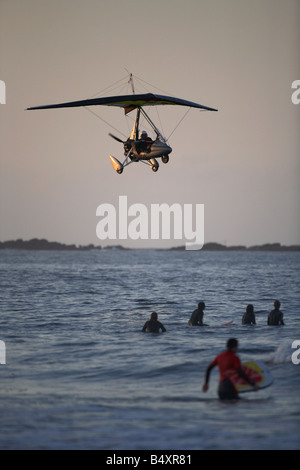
77 372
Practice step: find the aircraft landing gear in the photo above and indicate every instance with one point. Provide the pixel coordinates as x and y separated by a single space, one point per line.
153 163
118 166
165 158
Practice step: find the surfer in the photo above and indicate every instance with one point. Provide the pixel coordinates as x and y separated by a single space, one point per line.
227 361
249 317
153 325
197 315
275 317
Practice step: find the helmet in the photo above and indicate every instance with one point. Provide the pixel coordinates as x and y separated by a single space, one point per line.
144 134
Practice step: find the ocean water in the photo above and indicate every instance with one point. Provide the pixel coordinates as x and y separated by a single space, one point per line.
80 374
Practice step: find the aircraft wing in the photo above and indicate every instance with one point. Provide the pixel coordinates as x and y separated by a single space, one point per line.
128 102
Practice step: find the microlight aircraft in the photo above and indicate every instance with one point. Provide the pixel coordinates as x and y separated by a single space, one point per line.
138 147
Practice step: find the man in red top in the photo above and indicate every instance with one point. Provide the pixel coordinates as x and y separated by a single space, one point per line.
227 361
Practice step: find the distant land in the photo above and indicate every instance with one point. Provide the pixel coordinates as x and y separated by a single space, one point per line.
266 247
43 244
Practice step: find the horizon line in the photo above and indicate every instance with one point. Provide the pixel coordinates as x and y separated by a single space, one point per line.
44 244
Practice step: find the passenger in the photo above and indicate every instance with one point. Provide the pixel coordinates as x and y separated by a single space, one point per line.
197 316
249 317
153 325
227 361
275 317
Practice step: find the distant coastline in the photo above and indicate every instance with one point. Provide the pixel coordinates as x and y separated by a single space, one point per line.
43 244
212 246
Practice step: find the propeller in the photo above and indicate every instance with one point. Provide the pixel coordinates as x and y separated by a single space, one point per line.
116 138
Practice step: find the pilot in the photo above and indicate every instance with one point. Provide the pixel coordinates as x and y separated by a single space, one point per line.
145 141
144 136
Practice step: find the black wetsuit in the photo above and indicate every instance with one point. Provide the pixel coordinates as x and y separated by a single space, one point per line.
275 317
227 391
196 318
153 326
248 318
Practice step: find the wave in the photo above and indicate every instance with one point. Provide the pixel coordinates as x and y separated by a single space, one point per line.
281 355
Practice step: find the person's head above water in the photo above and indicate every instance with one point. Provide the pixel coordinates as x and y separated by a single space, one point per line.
232 344
277 304
201 305
153 316
249 308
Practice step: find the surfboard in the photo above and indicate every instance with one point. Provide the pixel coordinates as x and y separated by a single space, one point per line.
256 371
205 324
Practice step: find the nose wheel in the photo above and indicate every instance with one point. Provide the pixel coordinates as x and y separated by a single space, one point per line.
165 158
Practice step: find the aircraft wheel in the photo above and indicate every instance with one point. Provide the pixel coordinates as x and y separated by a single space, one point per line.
165 159
120 171
154 168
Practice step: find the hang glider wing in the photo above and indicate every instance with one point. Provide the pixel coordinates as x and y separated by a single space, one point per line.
128 102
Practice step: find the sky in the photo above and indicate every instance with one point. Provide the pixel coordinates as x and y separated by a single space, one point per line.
242 162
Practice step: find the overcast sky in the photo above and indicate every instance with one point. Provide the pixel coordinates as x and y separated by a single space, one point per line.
242 162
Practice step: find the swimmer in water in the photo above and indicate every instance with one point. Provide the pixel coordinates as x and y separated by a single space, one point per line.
227 361
197 316
249 317
153 325
275 317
